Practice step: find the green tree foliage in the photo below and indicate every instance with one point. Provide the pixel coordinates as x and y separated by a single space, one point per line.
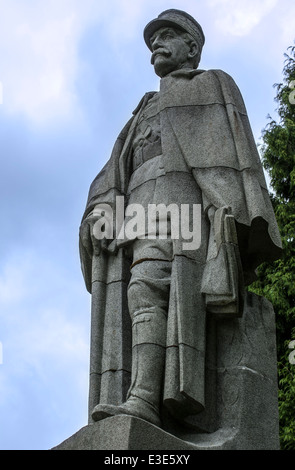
276 281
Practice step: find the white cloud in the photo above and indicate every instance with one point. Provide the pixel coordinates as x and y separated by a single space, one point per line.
239 18
38 49
44 86
44 325
13 283
286 23
123 18
51 343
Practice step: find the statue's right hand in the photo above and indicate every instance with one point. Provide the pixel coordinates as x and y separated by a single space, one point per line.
91 243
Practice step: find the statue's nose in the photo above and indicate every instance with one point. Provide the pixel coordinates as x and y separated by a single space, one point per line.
156 43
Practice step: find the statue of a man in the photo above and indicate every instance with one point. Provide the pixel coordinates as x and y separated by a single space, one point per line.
187 146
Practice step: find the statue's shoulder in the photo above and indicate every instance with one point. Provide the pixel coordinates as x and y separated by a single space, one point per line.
216 74
221 83
214 79
144 100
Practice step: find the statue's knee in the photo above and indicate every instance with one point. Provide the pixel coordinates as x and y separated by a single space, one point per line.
149 326
147 293
137 296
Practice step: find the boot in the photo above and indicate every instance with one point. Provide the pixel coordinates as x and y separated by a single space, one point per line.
148 361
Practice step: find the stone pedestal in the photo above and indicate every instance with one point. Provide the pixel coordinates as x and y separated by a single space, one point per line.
241 396
122 433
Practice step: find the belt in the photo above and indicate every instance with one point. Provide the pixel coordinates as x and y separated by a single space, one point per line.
145 153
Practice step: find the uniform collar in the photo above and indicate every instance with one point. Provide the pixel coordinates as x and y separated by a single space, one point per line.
185 73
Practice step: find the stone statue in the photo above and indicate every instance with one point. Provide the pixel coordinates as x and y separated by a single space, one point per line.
189 145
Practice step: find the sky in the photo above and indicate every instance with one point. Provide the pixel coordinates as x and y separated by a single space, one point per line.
71 73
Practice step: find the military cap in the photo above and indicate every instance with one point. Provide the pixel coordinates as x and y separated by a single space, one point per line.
178 18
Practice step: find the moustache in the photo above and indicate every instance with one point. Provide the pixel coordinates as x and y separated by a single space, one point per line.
163 52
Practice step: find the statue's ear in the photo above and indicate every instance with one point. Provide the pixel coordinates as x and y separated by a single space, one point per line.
194 50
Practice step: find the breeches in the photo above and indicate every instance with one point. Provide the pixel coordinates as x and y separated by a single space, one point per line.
148 291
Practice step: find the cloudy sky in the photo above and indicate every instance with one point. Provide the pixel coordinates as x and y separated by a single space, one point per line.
71 74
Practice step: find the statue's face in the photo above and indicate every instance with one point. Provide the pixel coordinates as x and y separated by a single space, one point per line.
170 51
